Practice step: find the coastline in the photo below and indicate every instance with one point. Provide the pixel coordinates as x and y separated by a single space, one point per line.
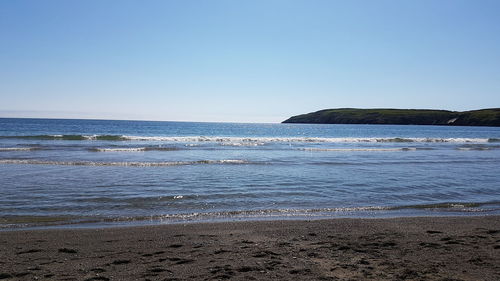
450 209
406 248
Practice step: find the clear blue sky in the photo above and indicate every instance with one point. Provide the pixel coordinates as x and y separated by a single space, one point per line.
244 61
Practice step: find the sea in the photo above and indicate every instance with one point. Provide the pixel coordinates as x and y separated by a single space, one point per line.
95 173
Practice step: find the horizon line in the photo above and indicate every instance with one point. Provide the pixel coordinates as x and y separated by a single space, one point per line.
137 120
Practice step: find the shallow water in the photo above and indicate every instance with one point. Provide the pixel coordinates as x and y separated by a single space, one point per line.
56 172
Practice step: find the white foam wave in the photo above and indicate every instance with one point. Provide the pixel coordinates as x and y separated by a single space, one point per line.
242 144
246 140
251 140
291 213
16 148
121 149
127 164
361 149
263 140
268 213
474 148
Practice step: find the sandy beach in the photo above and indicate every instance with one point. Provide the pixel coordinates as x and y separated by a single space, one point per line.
431 248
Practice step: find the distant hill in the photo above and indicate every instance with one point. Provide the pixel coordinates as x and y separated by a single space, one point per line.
483 117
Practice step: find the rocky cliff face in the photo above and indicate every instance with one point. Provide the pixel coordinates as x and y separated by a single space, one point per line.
483 117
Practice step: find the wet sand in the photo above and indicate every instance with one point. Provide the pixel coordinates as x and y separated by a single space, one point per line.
451 248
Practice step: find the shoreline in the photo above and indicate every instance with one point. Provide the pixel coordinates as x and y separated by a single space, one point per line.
406 248
30 223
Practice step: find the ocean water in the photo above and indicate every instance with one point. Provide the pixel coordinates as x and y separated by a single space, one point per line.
98 172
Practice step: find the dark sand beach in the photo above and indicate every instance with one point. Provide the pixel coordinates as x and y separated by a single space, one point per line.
431 248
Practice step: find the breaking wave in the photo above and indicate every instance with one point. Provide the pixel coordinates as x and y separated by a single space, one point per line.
68 137
17 148
265 213
477 147
361 149
473 148
320 212
260 214
263 140
133 149
248 140
127 164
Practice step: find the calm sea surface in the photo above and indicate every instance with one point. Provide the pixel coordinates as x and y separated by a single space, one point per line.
97 172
